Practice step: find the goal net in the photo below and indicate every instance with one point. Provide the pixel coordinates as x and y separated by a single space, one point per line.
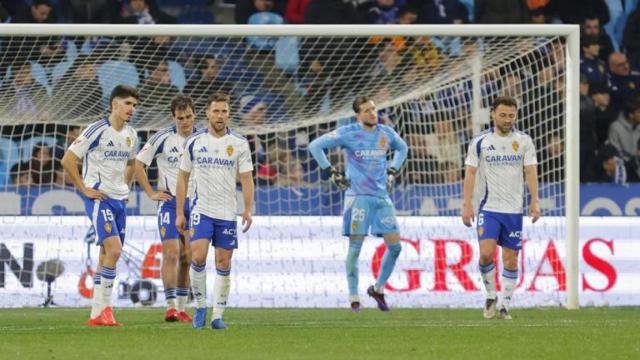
434 89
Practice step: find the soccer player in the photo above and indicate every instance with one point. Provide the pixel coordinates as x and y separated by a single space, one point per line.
497 157
107 148
216 156
166 146
368 181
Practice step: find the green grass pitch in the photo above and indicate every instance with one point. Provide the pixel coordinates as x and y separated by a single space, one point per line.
589 333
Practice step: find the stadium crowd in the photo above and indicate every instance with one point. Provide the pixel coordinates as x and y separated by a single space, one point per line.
32 80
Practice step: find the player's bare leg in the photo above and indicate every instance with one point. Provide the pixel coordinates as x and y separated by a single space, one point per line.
221 287
355 245
488 272
198 276
170 254
183 279
392 241
110 251
508 279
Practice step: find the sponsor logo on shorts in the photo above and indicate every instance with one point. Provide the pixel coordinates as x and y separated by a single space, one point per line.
229 231
515 234
388 221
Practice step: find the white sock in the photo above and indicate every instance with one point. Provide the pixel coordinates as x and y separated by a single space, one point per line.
221 288
96 300
488 273
508 279
199 284
108 276
182 298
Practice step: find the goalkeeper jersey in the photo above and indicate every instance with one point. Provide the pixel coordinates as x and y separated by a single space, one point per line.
366 153
500 178
105 153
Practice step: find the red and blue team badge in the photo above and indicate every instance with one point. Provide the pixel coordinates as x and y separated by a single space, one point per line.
229 150
107 227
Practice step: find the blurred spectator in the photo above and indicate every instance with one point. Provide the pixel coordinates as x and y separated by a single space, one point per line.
590 64
591 26
92 11
26 98
551 168
41 11
443 12
624 84
71 134
539 16
575 11
21 174
421 167
378 12
144 12
501 11
330 12
290 172
443 144
294 13
71 103
450 173
245 8
424 56
588 139
205 81
624 133
607 167
42 165
157 82
631 39
604 112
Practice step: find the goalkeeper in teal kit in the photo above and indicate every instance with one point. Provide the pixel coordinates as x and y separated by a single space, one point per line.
368 181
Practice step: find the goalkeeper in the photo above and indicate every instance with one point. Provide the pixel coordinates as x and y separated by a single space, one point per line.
368 182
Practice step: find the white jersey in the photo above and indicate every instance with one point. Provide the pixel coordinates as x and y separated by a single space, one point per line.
166 146
214 164
500 178
105 152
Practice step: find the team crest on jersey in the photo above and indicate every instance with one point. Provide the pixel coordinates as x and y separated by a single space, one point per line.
383 141
129 142
515 146
163 231
229 150
481 231
107 227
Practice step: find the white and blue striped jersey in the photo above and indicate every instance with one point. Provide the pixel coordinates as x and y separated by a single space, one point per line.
214 164
105 153
166 146
500 178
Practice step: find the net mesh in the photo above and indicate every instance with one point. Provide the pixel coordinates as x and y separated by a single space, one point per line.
435 91
287 91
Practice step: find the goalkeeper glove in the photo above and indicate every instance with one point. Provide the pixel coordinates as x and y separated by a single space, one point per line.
338 179
391 179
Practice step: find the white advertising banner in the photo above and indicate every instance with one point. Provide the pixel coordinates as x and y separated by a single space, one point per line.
299 262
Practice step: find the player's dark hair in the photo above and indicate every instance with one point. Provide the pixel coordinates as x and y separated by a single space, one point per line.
504 100
359 101
181 102
218 97
123 91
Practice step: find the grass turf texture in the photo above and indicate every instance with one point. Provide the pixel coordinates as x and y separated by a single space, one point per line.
590 333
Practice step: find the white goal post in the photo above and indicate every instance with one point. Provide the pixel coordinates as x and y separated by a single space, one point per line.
402 99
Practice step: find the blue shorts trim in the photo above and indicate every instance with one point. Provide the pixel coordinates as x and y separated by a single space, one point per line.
167 219
221 233
364 212
108 217
506 229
